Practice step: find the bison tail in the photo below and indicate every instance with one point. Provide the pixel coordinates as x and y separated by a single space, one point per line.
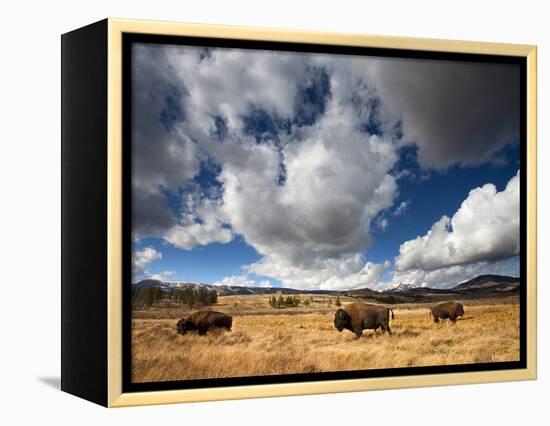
392 315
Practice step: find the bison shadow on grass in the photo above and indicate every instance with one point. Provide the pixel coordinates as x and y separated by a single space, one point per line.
202 321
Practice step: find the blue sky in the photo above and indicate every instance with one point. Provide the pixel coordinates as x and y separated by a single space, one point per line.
322 171
206 264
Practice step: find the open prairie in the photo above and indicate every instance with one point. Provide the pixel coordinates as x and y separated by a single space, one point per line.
267 341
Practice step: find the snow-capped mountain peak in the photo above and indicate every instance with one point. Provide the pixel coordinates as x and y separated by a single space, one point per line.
399 287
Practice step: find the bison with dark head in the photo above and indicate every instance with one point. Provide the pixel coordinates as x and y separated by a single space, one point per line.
447 310
358 316
202 321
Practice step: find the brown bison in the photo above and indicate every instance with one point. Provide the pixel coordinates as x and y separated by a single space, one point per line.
450 310
359 316
202 321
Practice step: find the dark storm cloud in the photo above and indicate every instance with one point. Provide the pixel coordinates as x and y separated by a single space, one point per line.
161 159
456 112
151 216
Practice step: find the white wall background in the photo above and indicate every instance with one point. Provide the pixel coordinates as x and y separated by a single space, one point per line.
30 210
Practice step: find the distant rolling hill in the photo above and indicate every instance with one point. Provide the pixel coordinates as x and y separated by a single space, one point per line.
483 286
489 283
170 285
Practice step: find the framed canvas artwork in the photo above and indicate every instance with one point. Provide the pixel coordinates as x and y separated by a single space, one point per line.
250 212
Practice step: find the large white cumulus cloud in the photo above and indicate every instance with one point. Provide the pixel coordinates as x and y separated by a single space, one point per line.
484 228
346 272
180 94
304 197
336 183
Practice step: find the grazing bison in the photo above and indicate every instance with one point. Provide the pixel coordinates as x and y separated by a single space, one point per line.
359 316
202 321
450 310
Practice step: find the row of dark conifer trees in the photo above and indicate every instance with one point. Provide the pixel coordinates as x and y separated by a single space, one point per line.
294 301
149 296
281 302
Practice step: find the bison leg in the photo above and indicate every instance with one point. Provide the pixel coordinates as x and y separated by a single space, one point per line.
436 318
386 328
358 331
202 331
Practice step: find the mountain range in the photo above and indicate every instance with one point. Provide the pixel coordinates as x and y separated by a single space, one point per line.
482 286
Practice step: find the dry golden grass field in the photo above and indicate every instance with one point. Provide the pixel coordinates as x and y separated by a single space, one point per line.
267 341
